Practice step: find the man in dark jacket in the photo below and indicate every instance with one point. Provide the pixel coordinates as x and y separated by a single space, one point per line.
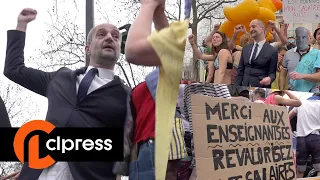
90 97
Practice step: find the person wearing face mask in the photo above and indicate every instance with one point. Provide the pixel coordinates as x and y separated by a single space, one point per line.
301 65
258 61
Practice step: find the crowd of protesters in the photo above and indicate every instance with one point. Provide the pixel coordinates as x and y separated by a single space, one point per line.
284 64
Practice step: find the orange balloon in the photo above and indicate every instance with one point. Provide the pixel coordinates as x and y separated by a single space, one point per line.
273 5
265 15
242 12
246 11
227 28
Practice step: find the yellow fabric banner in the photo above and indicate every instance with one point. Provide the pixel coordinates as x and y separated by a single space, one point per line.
169 44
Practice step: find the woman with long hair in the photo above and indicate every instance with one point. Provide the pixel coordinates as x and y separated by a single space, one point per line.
220 55
275 85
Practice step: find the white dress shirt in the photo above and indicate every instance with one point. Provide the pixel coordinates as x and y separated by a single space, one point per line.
260 45
60 170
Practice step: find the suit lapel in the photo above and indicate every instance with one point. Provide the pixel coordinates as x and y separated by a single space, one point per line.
72 92
116 81
249 52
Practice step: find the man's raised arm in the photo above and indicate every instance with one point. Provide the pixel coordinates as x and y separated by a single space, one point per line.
14 68
138 50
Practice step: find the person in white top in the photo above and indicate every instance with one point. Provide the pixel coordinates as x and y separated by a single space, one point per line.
308 133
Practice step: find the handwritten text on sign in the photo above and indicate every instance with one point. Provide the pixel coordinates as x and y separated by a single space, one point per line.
240 140
301 11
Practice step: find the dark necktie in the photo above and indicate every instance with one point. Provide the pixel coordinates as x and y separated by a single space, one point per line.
85 84
254 53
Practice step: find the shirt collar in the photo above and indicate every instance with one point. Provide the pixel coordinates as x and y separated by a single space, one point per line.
296 50
103 73
261 43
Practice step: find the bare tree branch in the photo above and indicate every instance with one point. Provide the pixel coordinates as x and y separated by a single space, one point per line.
18 104
212 6
64 43
170 16
134 81
125 74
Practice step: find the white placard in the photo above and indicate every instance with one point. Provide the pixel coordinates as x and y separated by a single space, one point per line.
301 11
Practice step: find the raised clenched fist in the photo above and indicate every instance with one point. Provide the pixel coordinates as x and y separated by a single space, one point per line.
27 15
272 24
191 39
216 27
239 28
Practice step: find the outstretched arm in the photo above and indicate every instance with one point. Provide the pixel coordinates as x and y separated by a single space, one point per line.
209 37
237 29
138 50
14 68
160 19
280 39
197 52
292 101
199 55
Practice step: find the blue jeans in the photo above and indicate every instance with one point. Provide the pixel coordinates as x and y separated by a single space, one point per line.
143 167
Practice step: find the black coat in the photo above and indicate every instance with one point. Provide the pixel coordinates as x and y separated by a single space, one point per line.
107 106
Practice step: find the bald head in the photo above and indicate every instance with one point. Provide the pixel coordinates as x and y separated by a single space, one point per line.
260 23
91 32
257 30
302 39
103 45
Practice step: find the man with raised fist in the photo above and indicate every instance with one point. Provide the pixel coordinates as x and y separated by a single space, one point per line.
88 97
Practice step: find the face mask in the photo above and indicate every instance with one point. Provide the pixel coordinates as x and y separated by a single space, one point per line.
302 39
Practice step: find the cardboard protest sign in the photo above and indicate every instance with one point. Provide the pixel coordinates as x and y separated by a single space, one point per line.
301 11
237 140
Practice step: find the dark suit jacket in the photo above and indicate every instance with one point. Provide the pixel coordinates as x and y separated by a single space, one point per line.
265 65
4 117
108 106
